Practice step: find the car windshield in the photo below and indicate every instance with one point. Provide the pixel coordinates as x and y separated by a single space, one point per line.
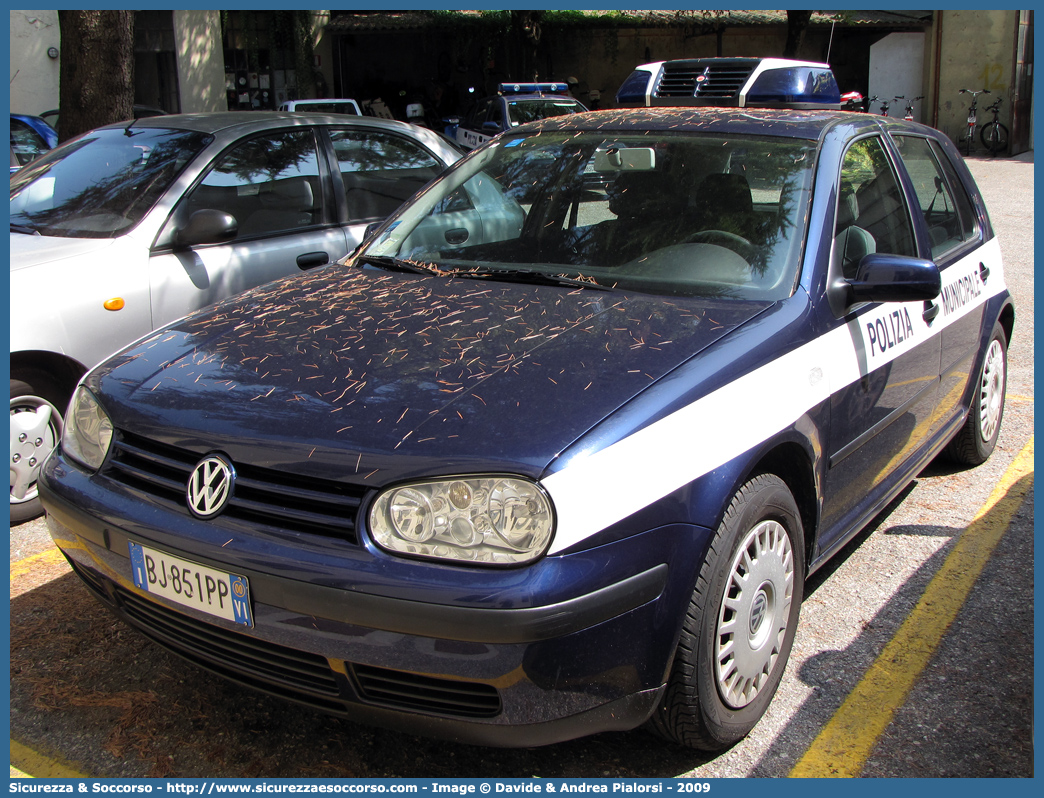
522 111
101 184
666 213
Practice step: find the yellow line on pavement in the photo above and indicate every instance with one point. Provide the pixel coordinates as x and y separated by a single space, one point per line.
845 743
27 564
27 763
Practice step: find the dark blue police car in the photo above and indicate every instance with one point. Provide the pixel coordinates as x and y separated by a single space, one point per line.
513 105
556 450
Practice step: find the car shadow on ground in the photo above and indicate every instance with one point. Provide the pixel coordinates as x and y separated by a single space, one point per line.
977 688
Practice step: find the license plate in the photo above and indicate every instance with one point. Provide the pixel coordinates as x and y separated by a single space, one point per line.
214 592
972 120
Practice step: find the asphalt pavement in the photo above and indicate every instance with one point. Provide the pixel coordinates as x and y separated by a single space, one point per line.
93 697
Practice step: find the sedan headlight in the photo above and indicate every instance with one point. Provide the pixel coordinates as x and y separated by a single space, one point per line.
88 430
497 520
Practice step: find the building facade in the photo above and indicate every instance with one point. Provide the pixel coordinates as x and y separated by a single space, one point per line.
199 60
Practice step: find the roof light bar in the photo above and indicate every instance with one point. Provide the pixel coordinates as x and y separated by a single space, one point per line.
532 88
732 82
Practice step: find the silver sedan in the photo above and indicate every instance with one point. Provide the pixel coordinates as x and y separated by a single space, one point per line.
134 225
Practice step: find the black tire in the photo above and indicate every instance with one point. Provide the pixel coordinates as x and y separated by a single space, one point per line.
977 439
702 706
28 453
994 137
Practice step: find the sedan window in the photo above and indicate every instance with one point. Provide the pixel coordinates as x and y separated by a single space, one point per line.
26 143
944 203
871 214
103 183
270 184
380 171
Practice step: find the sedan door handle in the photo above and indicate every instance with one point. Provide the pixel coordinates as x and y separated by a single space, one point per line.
312 259
931 310
984 272
457 235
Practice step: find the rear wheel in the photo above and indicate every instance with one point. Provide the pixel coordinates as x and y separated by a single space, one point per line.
994 137
978 437
740 623
36 428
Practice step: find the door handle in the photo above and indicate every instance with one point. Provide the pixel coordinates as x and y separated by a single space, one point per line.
931 310
984 272
312 259
458 235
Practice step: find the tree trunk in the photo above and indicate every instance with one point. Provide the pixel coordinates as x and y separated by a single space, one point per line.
797 22
96 83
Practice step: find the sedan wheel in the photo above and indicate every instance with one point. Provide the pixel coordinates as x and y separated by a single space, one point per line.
740 624
36 428
991 391
978 437
755 610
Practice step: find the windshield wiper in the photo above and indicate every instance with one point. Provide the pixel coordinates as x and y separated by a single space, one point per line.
532 278
472 273
24 228
393 264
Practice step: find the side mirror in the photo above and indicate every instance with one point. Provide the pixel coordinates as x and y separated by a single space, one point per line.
207 226
371 229
887 278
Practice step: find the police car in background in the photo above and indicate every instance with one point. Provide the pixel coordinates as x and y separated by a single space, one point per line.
555 451
515 104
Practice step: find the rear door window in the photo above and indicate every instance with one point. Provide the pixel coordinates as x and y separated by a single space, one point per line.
943 200
380 171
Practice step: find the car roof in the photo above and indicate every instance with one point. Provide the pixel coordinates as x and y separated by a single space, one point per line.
744 121
544 96
219 121
321 101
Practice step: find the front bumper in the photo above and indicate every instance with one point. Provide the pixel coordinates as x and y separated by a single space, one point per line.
492 675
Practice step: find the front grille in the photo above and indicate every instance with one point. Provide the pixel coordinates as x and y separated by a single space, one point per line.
268 662
287 672
425 693
261 497
722 80
95 581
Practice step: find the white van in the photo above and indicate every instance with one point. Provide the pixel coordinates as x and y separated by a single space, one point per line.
323 106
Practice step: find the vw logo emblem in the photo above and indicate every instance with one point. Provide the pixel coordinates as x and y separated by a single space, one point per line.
210 486
757 612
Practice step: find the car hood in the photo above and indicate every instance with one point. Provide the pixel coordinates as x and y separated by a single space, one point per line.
32 250
373 377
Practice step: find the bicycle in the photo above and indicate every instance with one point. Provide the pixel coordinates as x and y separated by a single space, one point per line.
884 104
973 119
909 115
994 135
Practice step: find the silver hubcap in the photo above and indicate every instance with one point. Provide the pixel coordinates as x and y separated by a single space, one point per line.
991 391
755 610
35 429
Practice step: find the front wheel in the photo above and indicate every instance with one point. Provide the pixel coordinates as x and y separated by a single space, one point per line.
976 440
969 139
994 137
739 627
36 428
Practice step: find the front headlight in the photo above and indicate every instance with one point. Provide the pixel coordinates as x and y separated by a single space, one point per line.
497 520
88 430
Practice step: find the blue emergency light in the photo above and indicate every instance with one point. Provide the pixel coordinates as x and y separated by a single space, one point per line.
532 88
